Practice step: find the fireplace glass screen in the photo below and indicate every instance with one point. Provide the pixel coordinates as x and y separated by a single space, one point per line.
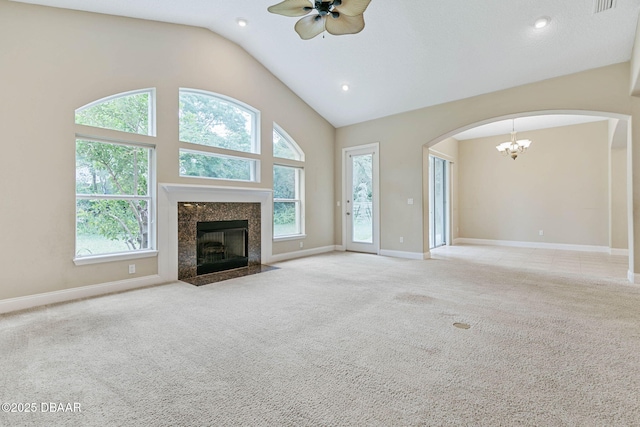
222 245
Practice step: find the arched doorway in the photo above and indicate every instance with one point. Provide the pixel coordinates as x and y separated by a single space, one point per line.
616 207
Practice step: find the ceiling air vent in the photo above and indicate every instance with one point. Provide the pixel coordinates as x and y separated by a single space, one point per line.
603 5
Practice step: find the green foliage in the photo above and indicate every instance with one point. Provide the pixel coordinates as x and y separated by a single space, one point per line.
284 213
284 182
103 168
121 220
127 113
208 120
113 169
202 165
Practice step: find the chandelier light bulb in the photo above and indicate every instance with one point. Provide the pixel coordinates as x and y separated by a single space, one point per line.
515 146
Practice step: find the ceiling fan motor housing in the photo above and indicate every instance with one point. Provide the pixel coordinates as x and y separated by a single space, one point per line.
326 7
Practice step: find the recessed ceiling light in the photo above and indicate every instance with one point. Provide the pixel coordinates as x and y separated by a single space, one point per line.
542 22
242 22
345 88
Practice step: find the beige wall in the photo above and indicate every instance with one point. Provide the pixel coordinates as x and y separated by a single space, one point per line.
53 61
560 186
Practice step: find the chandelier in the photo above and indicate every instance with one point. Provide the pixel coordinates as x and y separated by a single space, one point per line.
515 146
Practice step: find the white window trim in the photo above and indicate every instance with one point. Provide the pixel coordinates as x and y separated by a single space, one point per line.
118 256
289 237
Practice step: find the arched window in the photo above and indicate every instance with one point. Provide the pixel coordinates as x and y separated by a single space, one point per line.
115 178
131 112
288 186
284 146
229 131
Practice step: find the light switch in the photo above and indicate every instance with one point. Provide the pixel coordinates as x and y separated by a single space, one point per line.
409 201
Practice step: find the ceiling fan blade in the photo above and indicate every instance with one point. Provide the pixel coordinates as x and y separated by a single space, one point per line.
345 24
292 7
353 7
310 26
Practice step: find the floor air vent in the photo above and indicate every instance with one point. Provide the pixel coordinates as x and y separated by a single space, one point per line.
603 5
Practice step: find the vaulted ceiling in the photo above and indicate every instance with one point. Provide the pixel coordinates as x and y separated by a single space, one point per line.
411 54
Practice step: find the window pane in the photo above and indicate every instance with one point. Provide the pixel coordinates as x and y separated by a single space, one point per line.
212 166
126 113
212 121
362 216
103 168
109 226
284 182
286 218
283 148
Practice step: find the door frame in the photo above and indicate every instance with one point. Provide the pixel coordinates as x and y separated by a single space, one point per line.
375 148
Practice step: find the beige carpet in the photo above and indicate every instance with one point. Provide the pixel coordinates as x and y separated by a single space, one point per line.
338 339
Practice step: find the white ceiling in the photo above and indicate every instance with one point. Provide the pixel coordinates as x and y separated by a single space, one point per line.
412 53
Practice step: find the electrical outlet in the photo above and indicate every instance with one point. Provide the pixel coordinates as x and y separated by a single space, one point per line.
401 239
409 201
338 203
301 245
132 268
541 233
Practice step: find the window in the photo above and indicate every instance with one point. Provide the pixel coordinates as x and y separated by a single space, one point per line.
209 165
115 179
287 203
130 112
225 129
288 186
284 147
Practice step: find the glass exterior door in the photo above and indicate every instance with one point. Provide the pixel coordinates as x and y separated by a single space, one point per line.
438 204
360 201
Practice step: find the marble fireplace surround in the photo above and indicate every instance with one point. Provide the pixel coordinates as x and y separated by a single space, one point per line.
171 194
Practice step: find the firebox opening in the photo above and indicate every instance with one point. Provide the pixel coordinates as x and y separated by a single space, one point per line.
222 245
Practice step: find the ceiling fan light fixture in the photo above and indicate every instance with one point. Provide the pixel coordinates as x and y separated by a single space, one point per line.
347 16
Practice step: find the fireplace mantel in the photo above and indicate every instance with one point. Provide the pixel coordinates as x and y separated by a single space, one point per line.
171 194
244 191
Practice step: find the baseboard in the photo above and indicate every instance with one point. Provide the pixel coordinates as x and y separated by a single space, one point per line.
402 254
621 252
533 245
633 277
340 248
31 301
299 254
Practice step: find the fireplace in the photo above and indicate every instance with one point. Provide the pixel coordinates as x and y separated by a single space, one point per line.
221 245
217 239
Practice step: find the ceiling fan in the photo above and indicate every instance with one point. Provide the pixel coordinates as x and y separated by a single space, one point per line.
337 17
